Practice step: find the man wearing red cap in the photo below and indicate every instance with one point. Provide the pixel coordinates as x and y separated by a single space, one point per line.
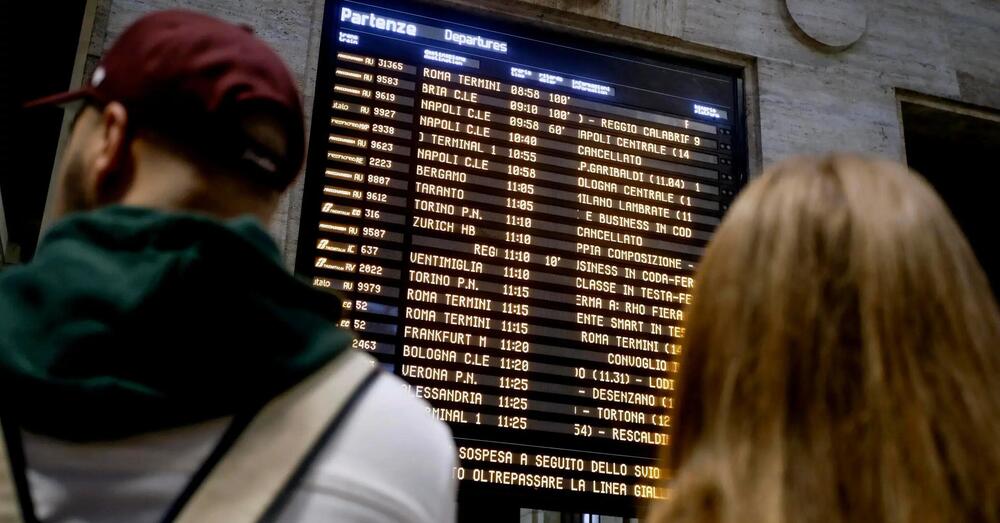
157 362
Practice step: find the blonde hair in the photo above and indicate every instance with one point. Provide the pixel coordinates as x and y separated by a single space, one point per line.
841 360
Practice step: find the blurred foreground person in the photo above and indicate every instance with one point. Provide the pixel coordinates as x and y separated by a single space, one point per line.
841 360
137 349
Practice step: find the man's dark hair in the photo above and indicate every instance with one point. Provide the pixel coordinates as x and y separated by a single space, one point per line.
224 148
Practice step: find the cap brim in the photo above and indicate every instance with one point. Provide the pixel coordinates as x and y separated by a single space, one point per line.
58 99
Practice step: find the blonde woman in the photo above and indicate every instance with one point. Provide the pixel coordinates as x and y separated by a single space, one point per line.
842 358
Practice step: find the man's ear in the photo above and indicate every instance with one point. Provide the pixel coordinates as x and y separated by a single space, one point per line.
113 164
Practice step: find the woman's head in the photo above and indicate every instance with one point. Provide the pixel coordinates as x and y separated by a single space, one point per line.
841 359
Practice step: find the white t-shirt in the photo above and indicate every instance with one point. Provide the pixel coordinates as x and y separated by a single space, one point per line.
390 460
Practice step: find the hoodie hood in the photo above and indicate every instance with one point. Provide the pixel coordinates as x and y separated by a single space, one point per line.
131 320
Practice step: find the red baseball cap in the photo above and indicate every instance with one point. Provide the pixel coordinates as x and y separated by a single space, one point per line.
200 75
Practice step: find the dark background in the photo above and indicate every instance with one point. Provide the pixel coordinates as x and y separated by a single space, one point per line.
958 155
39 47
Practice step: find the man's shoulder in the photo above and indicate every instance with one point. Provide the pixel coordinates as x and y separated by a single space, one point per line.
390 391
390 414
390 460
390 454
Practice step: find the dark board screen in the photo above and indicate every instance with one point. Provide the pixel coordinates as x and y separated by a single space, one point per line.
513 217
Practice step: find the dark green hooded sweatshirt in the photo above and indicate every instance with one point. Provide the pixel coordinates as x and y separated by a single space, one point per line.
131 320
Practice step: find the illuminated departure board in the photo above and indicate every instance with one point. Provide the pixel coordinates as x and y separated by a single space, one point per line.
513 217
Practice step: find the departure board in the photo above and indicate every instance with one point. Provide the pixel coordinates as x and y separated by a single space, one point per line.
513 217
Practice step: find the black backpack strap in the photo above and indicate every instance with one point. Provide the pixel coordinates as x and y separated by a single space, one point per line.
233 431
260 459
281 500
16 505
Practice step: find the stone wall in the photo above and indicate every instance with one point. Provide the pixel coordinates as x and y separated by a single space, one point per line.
803 97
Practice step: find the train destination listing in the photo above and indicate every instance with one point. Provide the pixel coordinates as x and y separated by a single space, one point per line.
514 223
